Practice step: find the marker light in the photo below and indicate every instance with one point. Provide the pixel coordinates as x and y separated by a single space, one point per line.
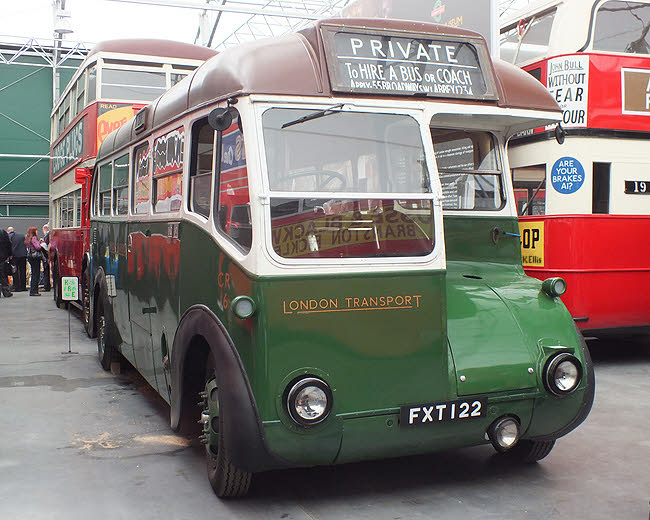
243 307
309 401
563 374
504 433
554 286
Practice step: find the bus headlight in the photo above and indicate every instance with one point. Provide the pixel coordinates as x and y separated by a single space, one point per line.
309 401
554 286
563 374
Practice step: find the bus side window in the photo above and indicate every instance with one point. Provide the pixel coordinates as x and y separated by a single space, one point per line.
529 187
469 169
141 179
232 199
121 185
167 160
104 200
201 167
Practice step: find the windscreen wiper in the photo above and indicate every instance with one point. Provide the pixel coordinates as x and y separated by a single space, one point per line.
315 115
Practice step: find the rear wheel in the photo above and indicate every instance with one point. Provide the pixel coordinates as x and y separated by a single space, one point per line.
56 286
107 353
226 479
85 300
530 451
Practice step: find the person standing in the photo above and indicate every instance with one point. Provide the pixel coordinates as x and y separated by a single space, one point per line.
35 258
19 260
5 254
45 246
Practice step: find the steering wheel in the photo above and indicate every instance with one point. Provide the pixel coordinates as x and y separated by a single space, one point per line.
322 178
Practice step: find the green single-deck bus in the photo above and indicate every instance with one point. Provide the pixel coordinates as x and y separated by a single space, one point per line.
315 237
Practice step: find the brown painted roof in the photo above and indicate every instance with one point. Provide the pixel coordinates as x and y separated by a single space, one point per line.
295 64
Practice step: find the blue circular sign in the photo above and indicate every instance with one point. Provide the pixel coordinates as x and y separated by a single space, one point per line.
567 175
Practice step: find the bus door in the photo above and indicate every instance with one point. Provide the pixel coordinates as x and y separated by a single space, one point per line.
140 279
140 308
155 243
113 198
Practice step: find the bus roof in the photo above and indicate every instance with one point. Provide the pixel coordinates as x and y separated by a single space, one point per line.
296 64
159 48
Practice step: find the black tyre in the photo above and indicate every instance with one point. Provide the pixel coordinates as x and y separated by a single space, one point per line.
226 479
530 451
85 300
107 353
56 286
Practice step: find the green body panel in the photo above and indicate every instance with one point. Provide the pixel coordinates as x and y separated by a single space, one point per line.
380 340
500 324
389 440
469 238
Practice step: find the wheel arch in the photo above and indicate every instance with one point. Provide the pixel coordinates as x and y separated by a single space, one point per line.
85 271
199 333
100 291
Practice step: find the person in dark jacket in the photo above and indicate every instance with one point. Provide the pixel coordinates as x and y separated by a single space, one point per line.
5 254
45 247
35 258
19 260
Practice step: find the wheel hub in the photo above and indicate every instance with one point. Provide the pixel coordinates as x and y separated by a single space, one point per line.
210 417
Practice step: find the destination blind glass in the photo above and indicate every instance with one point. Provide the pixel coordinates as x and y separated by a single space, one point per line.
403 65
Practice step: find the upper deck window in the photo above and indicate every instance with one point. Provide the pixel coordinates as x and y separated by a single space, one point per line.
527 40
469 169
622 27
133 85
347 154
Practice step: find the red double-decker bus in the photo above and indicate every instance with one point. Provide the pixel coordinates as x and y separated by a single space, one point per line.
584 205
116 79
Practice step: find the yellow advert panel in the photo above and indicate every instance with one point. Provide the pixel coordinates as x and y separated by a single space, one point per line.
532 244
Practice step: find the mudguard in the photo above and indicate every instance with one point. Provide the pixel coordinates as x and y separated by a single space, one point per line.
100 290
243 430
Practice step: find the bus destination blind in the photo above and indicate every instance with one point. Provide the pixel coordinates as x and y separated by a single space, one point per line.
405 65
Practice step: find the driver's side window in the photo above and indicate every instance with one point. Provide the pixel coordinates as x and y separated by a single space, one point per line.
232 199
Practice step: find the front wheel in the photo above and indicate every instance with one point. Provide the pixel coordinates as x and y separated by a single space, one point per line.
226 479
530 451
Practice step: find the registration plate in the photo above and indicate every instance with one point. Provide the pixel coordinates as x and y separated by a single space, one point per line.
450 411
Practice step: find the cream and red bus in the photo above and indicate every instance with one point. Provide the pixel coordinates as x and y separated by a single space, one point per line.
117 78
585 205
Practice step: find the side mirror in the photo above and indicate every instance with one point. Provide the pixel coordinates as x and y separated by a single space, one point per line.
560 134
220 119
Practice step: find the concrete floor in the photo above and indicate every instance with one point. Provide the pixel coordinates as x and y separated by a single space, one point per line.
80 443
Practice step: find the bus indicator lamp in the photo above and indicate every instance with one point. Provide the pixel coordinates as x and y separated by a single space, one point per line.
554 286
243 307
563 374
309 401
504 433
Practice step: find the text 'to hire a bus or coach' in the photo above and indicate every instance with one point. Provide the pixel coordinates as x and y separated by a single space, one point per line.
405 65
